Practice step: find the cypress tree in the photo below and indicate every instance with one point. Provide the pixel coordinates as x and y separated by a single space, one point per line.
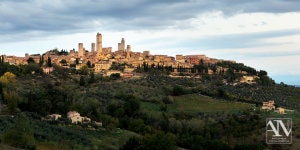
49 64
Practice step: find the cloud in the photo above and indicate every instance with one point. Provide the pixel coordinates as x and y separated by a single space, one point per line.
242 40
73 16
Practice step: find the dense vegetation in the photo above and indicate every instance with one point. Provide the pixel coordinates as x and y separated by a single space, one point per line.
152 112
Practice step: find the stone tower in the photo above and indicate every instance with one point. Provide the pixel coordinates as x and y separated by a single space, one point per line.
121 46
80 50
93 47
99 42
128 49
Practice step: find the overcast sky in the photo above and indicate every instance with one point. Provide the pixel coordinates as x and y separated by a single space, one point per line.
264 34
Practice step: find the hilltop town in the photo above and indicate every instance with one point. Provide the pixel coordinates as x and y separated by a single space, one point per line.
102 58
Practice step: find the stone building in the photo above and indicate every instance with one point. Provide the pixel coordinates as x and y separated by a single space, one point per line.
269 105
248 79
76 118
54 116
102 65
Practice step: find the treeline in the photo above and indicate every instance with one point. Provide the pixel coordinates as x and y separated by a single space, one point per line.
232 133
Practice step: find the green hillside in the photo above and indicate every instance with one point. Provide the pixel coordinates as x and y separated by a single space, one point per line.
154 110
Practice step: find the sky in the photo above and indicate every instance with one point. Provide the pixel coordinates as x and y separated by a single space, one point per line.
264 34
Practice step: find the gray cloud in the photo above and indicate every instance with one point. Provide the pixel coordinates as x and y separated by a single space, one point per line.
31 17
236 41
249 40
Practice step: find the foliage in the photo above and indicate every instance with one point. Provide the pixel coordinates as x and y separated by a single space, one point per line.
115 76
63 62
30 60
31 68
118 66
150 142
11 99
82 81
1 92
49 63
177 90
92 78
207 112
133 143
61 52
8 78
84 70
89 64
21 135
159 142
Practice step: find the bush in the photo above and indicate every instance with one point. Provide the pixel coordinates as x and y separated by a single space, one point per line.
159 142
132 144
177 91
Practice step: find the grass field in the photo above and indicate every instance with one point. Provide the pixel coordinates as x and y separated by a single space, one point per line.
200 103
112 139
194 103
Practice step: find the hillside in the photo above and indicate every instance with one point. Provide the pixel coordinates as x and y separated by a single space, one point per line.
153 107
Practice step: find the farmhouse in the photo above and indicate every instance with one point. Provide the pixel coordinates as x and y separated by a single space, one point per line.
54 116
280 110
270 105
75 117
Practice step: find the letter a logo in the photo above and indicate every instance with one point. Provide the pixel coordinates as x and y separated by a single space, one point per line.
278 130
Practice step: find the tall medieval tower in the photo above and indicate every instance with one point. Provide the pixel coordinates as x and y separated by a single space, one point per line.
81 51
128 49
99 43
121 46
93 47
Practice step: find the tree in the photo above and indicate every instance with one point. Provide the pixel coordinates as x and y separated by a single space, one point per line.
1 91
77 61
84 70
262 73
63 62
177 90
137 125
131 106
230 75
92 77
82 81
30 60
31 68
8 78
159 142
12 99
41 60
89 64
133 143
49 63
115 76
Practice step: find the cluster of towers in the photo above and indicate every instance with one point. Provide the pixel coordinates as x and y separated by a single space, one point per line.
98 50
121 48
81 49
